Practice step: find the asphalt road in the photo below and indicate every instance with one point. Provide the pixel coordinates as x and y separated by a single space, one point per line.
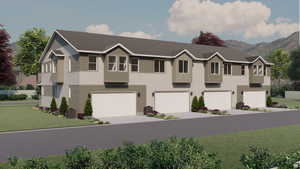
55 141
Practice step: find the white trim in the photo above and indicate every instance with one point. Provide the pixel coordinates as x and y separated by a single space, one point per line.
91 55
183 60
261 58
69 64
146 55
228 74
69 93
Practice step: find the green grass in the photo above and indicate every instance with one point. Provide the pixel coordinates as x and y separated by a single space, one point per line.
291 103
19 101
24 117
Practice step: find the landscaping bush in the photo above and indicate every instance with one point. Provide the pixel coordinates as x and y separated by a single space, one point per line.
29 87
78 158
88 109
63 106
246 107
195 104
71 113
259 158
201 102
53 105
239 105
17 97
80 116
203 110
3 97
269 101
35 97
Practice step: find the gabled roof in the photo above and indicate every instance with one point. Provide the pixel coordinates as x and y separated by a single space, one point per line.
100 43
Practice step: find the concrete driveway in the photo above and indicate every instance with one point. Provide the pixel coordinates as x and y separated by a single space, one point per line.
191 115
130 119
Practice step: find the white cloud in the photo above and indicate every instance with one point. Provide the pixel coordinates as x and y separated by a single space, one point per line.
105 29
238 17
282 20
102 28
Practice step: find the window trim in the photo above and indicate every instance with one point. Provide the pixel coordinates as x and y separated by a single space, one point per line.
126 64
69 93
262 70
159 65
69 65
183 66
117 61
138 65
42 91
227 64
219 68
96 63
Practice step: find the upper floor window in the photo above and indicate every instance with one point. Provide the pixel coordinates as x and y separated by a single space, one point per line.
260 70
159 66
214 67
227 69
92 63
122 63
243 70
117 63
265 70
42 68
255 70
46 67
53 67
183 66
134 64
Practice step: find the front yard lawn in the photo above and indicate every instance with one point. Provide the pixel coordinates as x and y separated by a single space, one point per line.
24 117
291 103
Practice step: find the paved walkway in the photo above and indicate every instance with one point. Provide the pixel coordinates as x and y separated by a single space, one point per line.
130 119
29 144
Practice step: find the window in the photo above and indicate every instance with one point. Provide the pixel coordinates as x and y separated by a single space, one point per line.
53 67
260 70
183 66
112 63
70 66
255 70
265 70
92 63
42 68
227 69
46 67
159 66
50 66
243 70
214 68
134 65
122 63
70 92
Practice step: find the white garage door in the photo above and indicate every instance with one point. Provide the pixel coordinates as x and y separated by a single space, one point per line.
218 100
113 104
255 98
172 102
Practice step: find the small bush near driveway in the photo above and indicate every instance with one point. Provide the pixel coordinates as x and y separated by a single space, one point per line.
53 105
63 106
195 104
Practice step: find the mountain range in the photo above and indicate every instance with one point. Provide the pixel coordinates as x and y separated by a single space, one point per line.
289 44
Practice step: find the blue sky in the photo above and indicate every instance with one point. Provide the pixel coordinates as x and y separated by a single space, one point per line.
160 19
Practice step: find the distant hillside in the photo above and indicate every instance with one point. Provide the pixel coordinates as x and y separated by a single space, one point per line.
263 49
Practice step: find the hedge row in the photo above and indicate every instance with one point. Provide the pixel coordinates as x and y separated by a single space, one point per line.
13 97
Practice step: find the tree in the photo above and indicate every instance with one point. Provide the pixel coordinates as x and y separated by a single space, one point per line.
208 39
63 106
281 61
53 106
7 76
201 102
294 69
31 44
195 104
88 109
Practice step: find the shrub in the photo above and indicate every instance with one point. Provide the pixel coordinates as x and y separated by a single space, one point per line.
17 97
29 87
88 109
203 110
259 158
201 102
195 104
37 163
3 97
21 88
53 105
35 97
239 105
63 106
269 101
78 158
71 113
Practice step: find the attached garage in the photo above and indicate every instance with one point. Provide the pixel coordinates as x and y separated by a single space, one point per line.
254 98
172 102
218 100
113 104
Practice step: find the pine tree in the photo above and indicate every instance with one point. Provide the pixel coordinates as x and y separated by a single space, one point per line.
53 105
195 104
201 102
88 110
63 106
